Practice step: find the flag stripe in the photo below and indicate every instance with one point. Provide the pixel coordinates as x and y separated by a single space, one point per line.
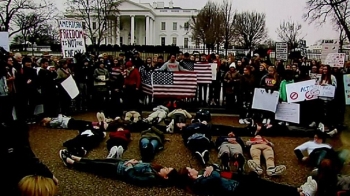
204 73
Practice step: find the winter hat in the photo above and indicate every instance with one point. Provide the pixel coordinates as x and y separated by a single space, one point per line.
233 65
128 64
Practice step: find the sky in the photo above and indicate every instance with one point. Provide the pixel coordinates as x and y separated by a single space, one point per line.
276 11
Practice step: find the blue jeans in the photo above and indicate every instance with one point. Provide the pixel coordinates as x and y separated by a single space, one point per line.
144 143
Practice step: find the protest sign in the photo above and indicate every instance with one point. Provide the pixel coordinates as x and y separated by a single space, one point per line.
263 100
72 37
4 40
316 77
288 112
71 87
214 67
347 88
326 91
329 46
302 91
335 59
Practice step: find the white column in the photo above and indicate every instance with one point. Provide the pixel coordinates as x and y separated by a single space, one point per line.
151 36
147 30
113 31
118 31
132 33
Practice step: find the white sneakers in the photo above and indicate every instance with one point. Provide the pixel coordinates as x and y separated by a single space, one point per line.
244 121
101 117
274 171
309 188
333 132
115 152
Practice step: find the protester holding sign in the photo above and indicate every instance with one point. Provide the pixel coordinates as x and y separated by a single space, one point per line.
327 119
271 83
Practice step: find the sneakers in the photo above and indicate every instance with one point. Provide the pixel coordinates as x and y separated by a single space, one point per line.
120 152
268 121
333 132
101 117
312 125
276 171
64 154
112 152
254 167
310 187
264 121
321 127
244 121
241 121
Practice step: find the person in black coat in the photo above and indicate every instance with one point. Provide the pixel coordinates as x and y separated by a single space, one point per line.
31 94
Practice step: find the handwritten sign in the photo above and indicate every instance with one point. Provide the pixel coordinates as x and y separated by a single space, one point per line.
72 38
316 77
347 88
306 90
329 46
335 59
263 100
288 112
326 91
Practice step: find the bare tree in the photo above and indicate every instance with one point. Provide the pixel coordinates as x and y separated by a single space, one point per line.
319 11
96 16
290 32
11 9
250 29
228 15
206 26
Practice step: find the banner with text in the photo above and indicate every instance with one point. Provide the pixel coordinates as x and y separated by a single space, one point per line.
72 38
335 59
302 91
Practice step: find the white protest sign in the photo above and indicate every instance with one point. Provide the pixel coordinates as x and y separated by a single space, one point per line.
302 91
335 59
281 51
347 88
213 70
316 77
329 46
72 37
71 87
327 91
4 40
263 100
288 112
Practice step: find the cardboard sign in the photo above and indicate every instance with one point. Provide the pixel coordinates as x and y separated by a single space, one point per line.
326 91
288 112
302 91
335 59
263 100
72 37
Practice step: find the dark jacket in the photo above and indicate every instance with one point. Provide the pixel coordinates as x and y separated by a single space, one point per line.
194 128
154 133
46 80
84 74
116 78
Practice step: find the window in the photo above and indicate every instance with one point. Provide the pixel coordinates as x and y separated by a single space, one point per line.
186 26
94 25
162 26
162 41
175 26
174 40
121 41
197 43
94 39
186 42
84 25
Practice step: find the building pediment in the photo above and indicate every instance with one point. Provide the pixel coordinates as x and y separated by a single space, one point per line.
162 34
128 5
174 34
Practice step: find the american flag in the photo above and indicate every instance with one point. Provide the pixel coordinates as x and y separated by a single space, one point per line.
204 74
189 65
170 84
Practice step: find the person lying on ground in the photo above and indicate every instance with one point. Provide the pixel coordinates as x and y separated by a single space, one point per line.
317 150
25 174
330 181
132 171
260 145
178 121
231 150
212 181
159 113
119 138
151 141
197 138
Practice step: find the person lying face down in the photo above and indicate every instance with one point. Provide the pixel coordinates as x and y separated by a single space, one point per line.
211 182
119 138
132 171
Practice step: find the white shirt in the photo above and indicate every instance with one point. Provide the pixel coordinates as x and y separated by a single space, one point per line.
311 146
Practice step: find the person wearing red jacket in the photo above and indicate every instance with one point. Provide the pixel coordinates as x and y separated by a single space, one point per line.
119 138
132 83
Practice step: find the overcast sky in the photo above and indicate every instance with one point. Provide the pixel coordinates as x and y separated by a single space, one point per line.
276 11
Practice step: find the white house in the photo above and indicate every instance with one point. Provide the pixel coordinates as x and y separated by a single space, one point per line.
146 24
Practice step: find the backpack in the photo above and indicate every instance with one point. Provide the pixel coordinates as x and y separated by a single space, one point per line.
203 115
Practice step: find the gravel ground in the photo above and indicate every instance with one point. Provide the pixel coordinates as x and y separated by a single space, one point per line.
47 142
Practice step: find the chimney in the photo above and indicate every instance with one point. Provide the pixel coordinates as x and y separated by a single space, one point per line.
171 4
154 4
160 4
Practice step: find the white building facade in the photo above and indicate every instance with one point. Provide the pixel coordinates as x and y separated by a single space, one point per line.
146 24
